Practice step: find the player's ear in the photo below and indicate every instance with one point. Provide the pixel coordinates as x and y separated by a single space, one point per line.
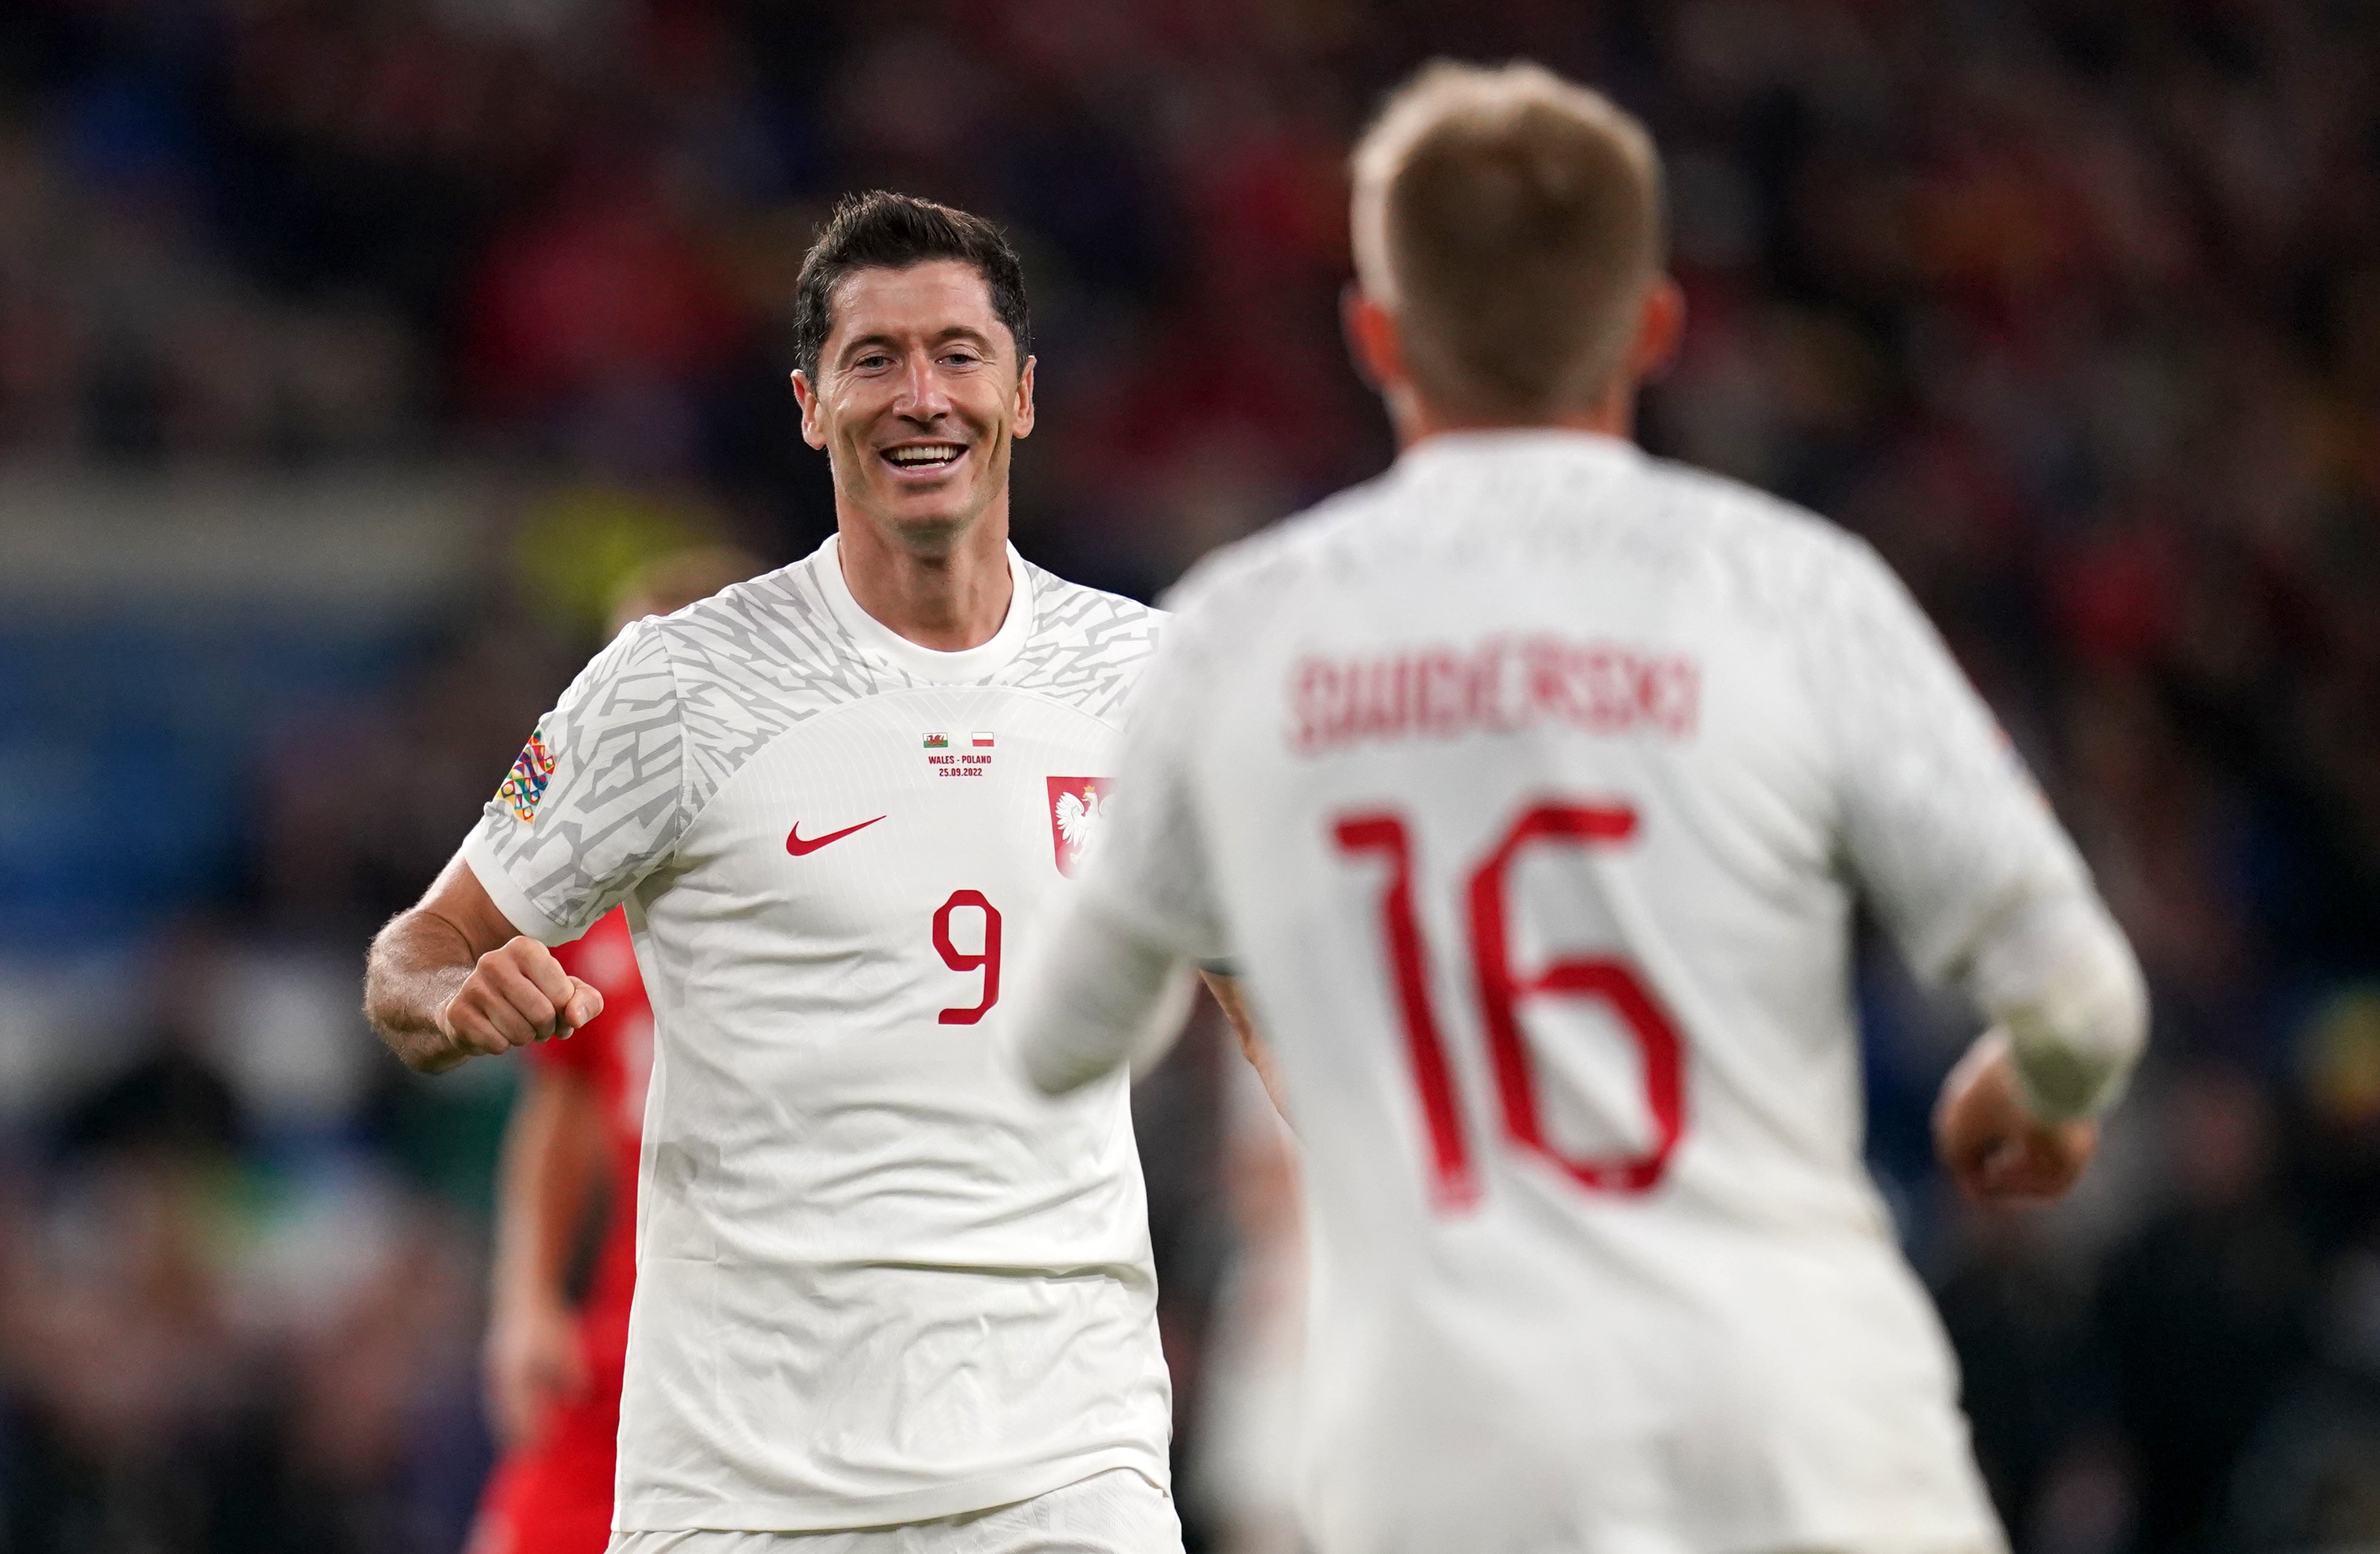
1021 424
806 396
1373 340
1660 327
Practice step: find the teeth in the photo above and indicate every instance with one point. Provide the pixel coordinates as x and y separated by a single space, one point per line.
937 455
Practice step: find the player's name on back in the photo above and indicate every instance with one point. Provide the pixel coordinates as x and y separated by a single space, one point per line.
1503 684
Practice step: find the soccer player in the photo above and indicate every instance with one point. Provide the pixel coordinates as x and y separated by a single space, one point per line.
886 1297
554 1369
1529 788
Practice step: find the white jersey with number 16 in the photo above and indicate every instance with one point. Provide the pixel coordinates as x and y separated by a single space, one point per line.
1530 787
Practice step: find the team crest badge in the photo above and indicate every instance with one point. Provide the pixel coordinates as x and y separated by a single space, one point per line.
1078 811
525 785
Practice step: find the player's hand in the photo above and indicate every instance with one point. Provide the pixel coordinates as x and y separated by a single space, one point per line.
534 1362
517 994
1992 1147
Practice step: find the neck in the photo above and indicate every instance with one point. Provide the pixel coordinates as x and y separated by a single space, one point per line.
1416 419
949 599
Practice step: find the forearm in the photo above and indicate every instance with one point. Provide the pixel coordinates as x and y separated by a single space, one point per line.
1234 1004
416 966
2057 976
551 1154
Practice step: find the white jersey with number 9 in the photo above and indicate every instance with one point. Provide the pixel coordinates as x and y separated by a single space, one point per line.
878 1280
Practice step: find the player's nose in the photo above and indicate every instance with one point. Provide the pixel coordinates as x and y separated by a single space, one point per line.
922 396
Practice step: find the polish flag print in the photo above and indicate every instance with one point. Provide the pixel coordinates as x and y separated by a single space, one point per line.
981 740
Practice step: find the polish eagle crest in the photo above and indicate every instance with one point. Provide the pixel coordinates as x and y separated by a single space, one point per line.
1077 810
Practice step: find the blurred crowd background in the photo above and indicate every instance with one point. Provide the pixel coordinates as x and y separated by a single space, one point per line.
351 350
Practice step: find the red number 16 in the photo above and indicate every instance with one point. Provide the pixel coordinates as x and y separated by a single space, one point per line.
1610 982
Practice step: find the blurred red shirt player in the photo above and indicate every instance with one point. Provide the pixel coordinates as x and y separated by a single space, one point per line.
553 1370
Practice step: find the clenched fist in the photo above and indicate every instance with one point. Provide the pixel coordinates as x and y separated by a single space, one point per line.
516 994
1994 1148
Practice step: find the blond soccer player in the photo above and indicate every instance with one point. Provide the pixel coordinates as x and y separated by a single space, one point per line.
1530 788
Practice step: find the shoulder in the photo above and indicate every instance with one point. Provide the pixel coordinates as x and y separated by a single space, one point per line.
763 626
1087 647
1824 596
1770 555
749 663
1083 616
1238 581
1772 559
765 651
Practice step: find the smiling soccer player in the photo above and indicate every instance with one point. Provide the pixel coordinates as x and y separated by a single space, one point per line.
885 1298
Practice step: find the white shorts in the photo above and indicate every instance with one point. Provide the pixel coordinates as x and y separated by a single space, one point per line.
1117 1512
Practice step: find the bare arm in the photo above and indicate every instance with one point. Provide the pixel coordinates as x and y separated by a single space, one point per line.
552 1157
1234 1004
452 978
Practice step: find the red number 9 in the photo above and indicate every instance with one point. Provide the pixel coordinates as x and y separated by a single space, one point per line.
988 960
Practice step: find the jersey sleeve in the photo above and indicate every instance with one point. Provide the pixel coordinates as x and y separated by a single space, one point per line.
1941 825
1151 872
595 799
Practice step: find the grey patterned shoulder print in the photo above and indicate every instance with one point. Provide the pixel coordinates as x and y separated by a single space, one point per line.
1087 648
647 734
753 661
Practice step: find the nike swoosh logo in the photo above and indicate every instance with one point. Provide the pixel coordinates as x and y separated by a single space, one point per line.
799 848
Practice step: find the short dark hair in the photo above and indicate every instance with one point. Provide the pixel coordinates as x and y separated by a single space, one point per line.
880 230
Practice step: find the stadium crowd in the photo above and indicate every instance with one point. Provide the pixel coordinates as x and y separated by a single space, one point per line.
2073 307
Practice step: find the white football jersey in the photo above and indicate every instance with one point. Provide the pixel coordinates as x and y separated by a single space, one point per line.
1530 787
879 1280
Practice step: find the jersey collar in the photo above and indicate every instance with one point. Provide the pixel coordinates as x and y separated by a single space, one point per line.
1463 447
880 642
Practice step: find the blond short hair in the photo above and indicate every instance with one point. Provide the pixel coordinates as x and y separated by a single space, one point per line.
1513 221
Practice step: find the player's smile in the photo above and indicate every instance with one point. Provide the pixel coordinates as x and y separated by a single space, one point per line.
924 461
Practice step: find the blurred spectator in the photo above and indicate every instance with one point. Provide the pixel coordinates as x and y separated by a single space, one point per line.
133 1421
2206 1313
2020 1317
2309 1475
191 1361
169 1108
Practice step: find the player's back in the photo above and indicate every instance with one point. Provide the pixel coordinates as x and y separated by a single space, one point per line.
1538 777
